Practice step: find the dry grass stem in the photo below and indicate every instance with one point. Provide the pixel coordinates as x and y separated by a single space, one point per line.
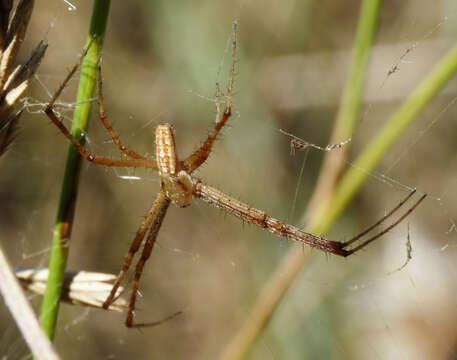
22 313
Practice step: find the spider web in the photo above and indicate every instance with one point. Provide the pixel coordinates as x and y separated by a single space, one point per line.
377 304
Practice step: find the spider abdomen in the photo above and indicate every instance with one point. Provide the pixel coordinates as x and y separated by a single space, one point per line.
166 155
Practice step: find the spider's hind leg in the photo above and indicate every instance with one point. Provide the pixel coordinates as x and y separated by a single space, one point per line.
153 218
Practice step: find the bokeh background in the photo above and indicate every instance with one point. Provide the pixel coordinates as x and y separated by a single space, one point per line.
161 62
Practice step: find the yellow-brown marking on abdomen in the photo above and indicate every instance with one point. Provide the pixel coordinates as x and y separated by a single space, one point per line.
167 158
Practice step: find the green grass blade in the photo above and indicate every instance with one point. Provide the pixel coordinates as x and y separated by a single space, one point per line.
348 117
348 113
81 116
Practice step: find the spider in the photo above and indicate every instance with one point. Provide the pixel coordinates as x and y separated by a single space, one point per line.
179 186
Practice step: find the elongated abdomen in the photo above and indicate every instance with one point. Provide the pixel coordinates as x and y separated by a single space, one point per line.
176 183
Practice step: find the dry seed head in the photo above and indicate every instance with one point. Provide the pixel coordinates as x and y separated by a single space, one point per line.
80 287
14 79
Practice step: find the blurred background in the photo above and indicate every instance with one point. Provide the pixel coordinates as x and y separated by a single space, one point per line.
162 60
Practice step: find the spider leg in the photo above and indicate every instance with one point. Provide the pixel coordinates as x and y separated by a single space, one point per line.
257 217
104 120
144 163
150 218
387 229
157 322
160 209
199 156
380 221
69 76
78 141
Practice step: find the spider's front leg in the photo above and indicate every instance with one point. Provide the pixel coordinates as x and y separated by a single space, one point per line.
100 160
346 244
194 161
78 139
259 218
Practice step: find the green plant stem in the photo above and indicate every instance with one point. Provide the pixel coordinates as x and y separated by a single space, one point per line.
81 116
348 113
347 118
